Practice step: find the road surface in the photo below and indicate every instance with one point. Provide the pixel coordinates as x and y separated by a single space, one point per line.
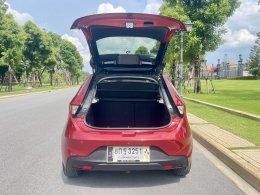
30 157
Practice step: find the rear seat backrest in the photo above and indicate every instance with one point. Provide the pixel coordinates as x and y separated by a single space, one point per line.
128 59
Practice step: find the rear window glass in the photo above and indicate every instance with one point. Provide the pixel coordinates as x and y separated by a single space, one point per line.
128 45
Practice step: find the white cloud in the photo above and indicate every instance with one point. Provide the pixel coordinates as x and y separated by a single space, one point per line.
73 40
243 25
83 50
109 8
19 17
242 28
152 6
246 16
239 38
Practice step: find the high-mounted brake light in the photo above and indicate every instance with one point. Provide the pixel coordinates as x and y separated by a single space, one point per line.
74 109
181 109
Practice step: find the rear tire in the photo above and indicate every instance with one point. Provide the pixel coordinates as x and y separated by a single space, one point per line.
70 171
182 172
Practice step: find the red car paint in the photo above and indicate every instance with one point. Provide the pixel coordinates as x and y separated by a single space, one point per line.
81 140
119 20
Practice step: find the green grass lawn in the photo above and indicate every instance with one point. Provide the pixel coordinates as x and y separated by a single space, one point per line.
243 127
22 90
242 95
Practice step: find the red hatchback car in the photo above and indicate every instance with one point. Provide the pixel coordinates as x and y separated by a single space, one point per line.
127 115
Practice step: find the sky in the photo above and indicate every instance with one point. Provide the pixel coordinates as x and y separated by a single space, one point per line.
57 16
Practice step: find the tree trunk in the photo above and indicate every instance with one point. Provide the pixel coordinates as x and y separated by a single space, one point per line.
9 79
39 77
13 76
33 78
51 78
68 78
197 84
173 71
71 79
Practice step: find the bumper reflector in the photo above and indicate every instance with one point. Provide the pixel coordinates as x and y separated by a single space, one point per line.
174 166
168 166
87 167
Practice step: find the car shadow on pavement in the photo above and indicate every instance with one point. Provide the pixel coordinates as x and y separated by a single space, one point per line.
102 179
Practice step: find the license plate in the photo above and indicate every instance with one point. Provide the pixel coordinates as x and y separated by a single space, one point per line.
128 154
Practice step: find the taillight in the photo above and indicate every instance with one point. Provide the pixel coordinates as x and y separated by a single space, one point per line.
181 109
74 109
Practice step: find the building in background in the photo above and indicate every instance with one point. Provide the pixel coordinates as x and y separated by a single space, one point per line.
225 69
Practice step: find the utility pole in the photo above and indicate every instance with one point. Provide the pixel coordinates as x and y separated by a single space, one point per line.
181 64
188 27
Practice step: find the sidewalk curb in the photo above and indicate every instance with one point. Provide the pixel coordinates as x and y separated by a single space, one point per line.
37 92
230 159
232 111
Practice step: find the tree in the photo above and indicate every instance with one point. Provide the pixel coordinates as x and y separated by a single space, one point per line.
208 17
38 49
11 42
71 59
55 58
3 8
42 52
3 71
142 50
254 58
155 48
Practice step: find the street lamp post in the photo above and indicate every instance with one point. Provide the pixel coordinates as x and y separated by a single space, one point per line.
181 64
188 27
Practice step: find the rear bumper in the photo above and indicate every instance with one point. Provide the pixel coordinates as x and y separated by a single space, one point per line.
83 142
97 161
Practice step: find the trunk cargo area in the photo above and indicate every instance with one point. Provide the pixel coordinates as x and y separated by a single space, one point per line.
128 104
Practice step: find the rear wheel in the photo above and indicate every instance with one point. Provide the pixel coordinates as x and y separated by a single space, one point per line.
182 172
70 171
